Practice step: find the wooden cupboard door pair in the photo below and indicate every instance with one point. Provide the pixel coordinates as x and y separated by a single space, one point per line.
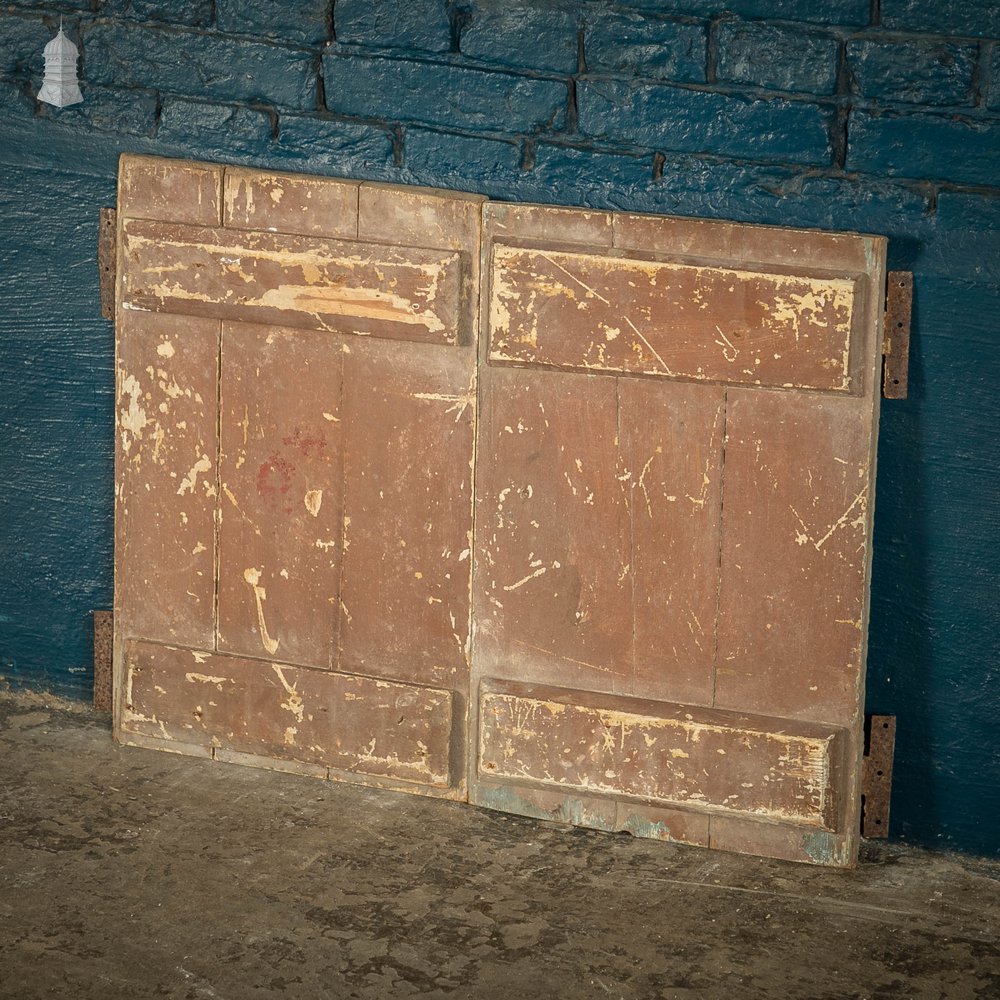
565 512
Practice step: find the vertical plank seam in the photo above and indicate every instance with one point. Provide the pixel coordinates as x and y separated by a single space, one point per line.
631 532
217 518
338 646
722 504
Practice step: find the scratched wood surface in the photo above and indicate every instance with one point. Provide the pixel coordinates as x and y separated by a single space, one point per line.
281 503
698 758
322 717
346 286
674 469
166 494
586 311
566 512
296 386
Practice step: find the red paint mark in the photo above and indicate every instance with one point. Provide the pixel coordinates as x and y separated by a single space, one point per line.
305 442
274 477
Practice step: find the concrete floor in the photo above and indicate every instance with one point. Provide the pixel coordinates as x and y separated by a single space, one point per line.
129 873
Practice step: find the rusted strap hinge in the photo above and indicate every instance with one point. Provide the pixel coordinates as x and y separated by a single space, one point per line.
896 338
107 256
876 776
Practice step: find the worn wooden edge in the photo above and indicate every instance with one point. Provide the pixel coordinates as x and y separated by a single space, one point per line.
128 739
896 339
877 782
118 665
823 848
643 820
554 224
457 793
873 316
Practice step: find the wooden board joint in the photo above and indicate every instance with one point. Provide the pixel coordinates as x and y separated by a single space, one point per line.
896 336
876 782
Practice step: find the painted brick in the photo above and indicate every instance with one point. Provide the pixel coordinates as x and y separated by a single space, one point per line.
17 104
964 243
60 139
629 43
945 148
662 117
461 162
716 189
844 12
214 131
200 65
885 208
992 82
404 24
914 72
581 177
976 18
286 20
197 13
109 110
322 145
61 5
450 96
782 58
520 35
22 40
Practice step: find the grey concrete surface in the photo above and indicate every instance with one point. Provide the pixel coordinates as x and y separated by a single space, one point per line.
130 873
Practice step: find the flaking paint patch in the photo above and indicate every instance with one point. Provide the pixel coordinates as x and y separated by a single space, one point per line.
313 501
612 753
252 577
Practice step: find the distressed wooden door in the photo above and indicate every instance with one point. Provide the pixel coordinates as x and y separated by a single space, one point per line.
296 382
674 472
568 512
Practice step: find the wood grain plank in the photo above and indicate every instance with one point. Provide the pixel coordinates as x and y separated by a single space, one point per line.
409 421
290 203
671 445
796 531
553 547
170 190
281 469
167 369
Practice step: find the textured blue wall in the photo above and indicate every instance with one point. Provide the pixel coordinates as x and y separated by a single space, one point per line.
842 114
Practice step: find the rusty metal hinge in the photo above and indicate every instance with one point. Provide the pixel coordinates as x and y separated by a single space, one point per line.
876 776
896 336
107 246
104 630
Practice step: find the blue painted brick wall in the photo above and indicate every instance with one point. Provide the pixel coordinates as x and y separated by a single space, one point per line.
780 57
883 117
